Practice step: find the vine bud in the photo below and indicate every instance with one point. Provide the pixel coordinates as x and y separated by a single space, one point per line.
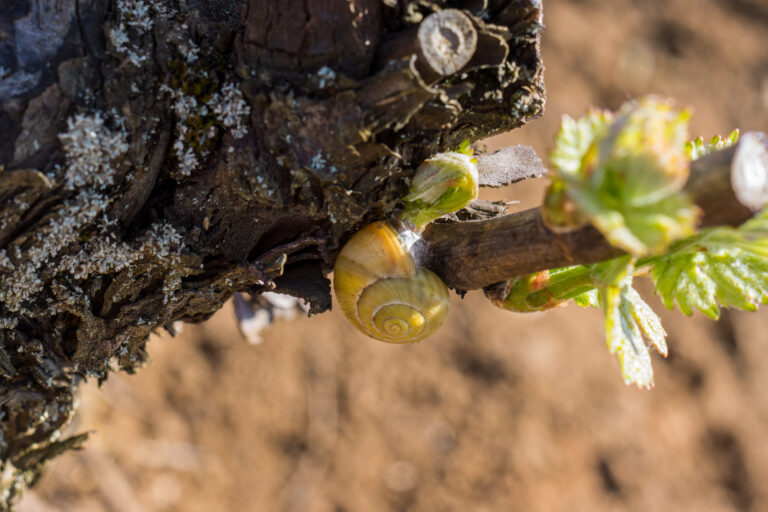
445 183
560 213
542 290
644 150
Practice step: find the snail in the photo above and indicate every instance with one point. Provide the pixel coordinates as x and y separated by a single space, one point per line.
383 291
380 283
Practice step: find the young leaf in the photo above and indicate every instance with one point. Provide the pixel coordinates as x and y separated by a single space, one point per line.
575 138
723 265
465 147
630 326
697 148
641 229
588 299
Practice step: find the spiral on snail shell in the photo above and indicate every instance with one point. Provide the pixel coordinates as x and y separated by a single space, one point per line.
380 284
382 290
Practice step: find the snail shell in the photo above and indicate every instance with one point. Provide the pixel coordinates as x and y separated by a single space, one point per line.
382 290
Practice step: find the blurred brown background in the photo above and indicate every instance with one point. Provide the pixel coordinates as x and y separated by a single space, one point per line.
496 412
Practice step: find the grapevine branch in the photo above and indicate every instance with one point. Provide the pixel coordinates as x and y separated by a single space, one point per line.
159 156
728 185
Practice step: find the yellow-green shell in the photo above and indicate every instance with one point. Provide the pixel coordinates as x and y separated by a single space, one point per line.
381 290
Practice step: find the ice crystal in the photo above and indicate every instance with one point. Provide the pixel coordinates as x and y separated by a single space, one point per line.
318 162
22 282
231 110
136 14
90 148
119 39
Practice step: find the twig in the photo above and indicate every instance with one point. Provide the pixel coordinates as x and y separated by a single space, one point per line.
729 186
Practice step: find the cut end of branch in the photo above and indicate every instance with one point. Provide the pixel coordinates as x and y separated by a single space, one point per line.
749 170
448 41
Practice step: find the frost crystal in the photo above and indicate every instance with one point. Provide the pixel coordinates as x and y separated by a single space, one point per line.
119 39
185 107
135 13
101 255
326 74
9 322
318 162
166 243
90 148
22 282
137 59
5 261
231 110
187 159
106 255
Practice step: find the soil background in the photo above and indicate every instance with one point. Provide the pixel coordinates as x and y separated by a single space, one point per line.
497 412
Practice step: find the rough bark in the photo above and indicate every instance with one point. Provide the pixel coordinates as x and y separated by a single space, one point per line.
158 156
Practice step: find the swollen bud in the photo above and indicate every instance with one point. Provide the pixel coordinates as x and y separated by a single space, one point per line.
542 290
559 212
515 294
443 184
624 173
644 150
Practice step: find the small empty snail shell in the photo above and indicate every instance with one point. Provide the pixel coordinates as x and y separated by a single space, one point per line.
382 290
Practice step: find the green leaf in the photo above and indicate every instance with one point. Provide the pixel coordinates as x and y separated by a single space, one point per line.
719 266
575 137
612 272
697 148
588 299
465 147
624 174
631 326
